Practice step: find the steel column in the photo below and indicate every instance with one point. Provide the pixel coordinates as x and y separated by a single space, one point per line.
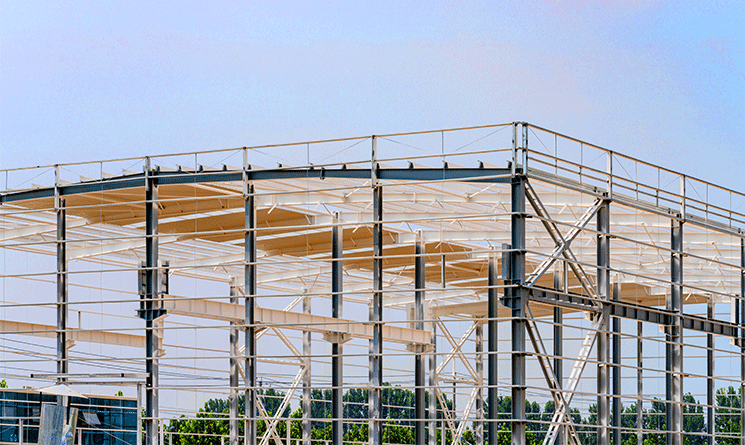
479 423
616 322
432 385
250 293
639 383
62 292
518 303
307 383
604 293
742 341
493 358
151 292
234 409
419 284
560 280
337 353
710 392
375 410
674 346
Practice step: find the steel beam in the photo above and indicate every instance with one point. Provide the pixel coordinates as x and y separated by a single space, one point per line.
150 312
604 294
337 352
250 320
492 357
233 424
375 410
419 284
674 346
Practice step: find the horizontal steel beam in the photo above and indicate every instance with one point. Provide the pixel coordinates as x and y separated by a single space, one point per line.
488 175
631 311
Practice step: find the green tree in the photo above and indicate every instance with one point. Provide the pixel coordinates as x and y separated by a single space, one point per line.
727 423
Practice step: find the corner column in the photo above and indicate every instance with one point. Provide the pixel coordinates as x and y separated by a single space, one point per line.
518 302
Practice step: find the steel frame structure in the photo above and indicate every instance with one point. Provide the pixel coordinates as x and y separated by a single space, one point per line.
589 248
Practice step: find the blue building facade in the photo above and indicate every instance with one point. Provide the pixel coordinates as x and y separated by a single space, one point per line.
101 420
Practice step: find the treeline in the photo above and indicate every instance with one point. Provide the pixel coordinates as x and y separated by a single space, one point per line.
211 423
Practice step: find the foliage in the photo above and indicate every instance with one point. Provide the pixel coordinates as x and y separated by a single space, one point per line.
212 420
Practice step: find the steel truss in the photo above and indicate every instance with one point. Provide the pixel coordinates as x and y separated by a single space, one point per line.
418 243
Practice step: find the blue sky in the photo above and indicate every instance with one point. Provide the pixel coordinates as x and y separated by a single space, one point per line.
662 81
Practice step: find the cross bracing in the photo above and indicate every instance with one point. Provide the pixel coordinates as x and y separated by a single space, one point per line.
389 257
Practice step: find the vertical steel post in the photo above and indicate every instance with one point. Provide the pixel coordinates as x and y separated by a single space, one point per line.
249 302
233 424
639 383
376 310
432 384
710 377
616 433
62 295
337 353
603 341
674 346
62 288
151 293
493 358
742 341
307 383
479 423
138 415
518 303
419 285
559 285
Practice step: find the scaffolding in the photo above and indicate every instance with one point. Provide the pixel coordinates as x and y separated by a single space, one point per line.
607 286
